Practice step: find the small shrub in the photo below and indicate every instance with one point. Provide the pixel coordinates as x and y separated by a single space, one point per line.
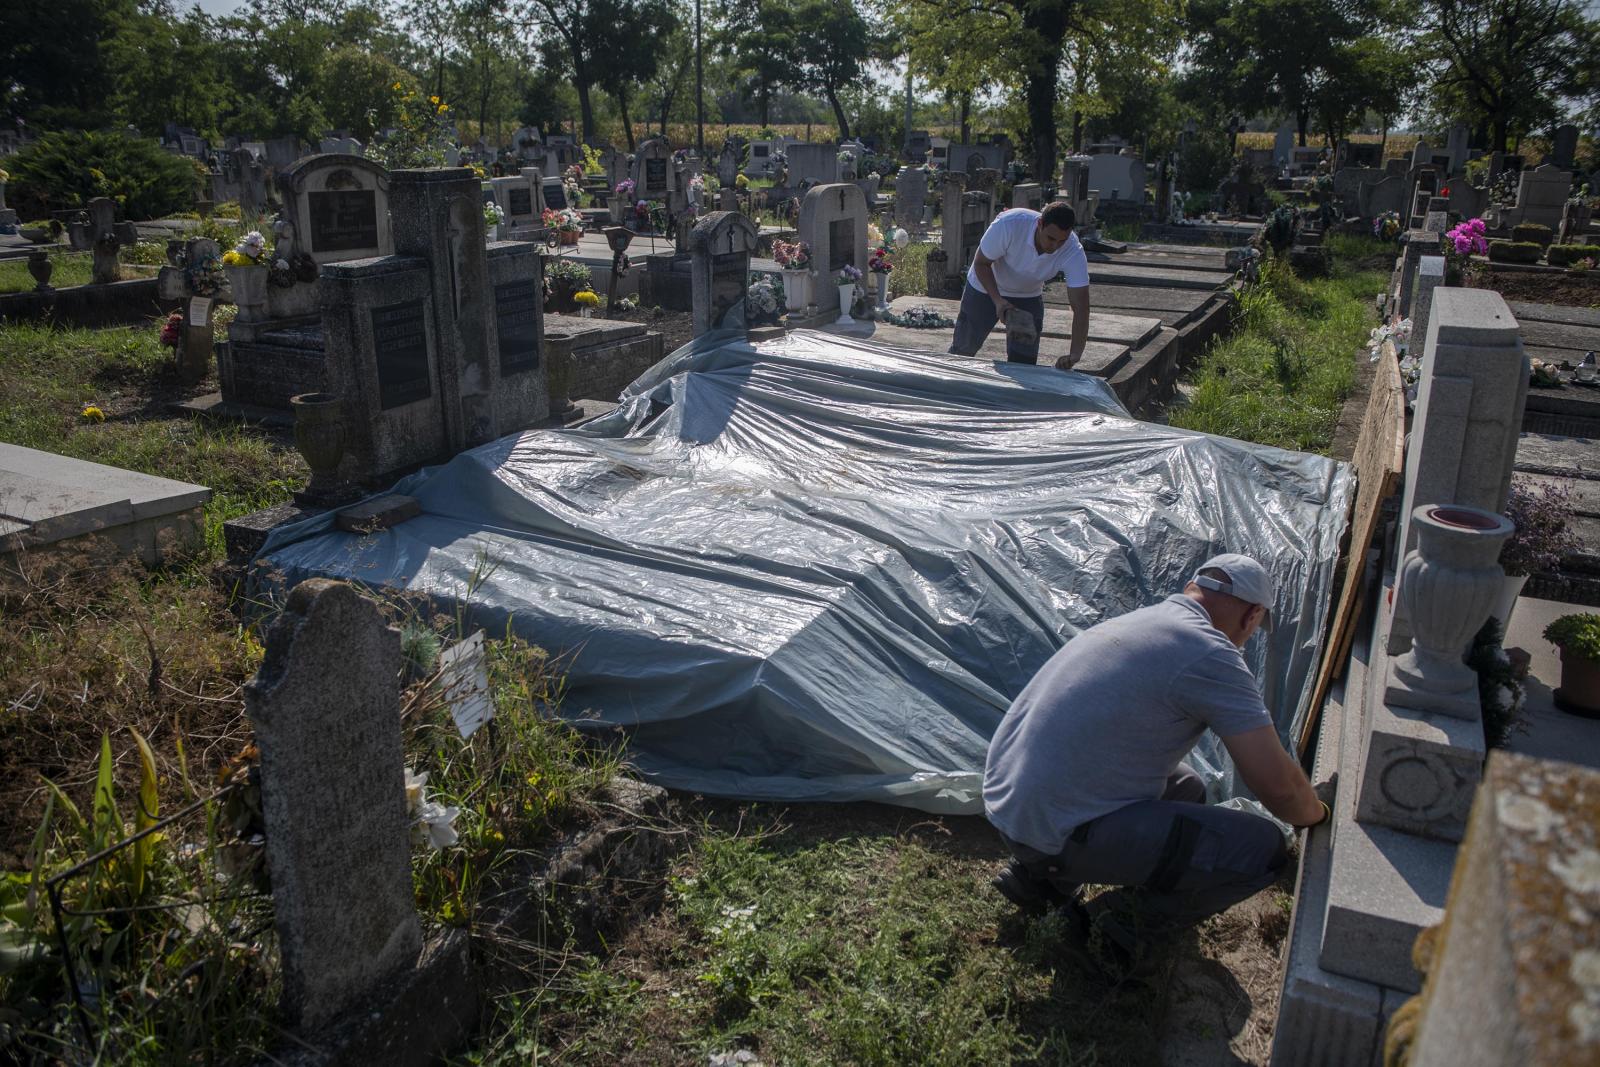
65 170
1578 634
1532 231
1514 252
1567 255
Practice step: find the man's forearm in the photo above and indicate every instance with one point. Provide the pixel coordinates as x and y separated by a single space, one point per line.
1080 325
985 273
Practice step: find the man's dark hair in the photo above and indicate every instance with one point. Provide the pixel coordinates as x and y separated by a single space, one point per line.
1060 215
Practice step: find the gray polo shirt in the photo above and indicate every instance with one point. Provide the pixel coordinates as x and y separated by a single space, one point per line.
1110 716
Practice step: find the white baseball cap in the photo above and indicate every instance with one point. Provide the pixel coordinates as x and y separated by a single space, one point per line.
1247 580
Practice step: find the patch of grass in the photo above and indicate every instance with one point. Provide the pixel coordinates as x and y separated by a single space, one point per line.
1122 231
49 376
836 946
71 268
1282 376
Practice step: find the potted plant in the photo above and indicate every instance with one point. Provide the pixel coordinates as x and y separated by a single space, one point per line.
563 280
567 222
1578 638
879 264
1463 242
794 257
493 216
847 279
1543 515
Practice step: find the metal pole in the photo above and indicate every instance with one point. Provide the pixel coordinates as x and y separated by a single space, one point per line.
699 86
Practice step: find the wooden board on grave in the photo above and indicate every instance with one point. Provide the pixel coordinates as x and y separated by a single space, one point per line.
516 325
1378 462
400 350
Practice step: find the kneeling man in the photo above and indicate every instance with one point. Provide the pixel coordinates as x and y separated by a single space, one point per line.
1021 251
1084 779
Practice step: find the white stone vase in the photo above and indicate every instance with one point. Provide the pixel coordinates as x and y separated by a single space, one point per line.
847 296
796 289
248 287
883 291
1510 588
1449 584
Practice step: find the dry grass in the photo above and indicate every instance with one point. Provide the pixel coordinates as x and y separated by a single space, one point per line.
102 649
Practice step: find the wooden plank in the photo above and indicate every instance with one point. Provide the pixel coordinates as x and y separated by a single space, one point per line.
1103 326
1101 358
1159 277
1107 294
1157 260
1378 461
1555 313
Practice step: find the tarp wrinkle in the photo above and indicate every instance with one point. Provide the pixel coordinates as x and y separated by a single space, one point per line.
820 569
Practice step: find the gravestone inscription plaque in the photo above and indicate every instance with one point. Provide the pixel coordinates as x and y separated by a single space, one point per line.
729 272
521 201
842 243
971 233
343 219
400 349
517 322
555 196
655 175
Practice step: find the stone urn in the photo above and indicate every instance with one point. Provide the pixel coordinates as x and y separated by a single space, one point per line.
559 374
319 435
1449 584
41 267
796 289
248 286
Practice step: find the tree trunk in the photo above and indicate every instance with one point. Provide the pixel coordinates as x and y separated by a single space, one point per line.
585 105
966 118
764 101
1303 118
1383 141
838 114
1049 22
622 106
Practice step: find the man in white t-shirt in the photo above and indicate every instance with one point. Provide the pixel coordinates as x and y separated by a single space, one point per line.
1021 251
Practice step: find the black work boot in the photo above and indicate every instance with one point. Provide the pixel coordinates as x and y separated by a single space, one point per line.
1034 896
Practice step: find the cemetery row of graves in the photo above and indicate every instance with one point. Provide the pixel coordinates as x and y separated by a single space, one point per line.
457 862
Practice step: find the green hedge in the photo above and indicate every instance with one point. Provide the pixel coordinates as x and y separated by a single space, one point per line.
1567 255
1514 252
66 170
1532 231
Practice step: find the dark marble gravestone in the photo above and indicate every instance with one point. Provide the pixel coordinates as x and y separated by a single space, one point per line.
400 352
517 322
343 220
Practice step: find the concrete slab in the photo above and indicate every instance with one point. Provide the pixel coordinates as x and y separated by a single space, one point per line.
1168 277
1100 358
1551 732
1573 316
1103 326
46 499
1136 299
1158 260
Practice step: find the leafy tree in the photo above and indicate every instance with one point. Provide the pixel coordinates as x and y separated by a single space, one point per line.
164 68
1510 60
356 88
54 66
833 43
654 21
674 56
68 168
760 36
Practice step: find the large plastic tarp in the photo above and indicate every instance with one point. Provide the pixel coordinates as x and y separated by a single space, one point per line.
820 569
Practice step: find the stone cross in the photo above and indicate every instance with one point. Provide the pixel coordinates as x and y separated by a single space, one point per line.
105 237
325 706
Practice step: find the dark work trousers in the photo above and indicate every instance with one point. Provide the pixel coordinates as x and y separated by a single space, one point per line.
1192 859
977 318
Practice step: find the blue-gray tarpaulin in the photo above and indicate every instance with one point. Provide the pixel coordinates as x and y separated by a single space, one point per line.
820 568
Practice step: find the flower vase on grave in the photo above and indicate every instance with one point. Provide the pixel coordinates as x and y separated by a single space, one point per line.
847 297
41 267
319 435
796 289
568 237
1449 584
618 206
248 286
883 291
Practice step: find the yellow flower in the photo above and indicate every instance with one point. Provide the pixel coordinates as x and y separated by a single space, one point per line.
741 181
588 298
397 85
433 99
94 414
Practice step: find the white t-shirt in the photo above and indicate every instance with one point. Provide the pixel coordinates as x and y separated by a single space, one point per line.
1019 269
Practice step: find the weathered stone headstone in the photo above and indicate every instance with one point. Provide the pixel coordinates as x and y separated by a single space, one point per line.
720 248
1118 177
1430 275
652 171
1456 148
1029 195
728 164
333 801
337 207
1564 146
1514 975
1283 145
833 221
517 197
910 194
107 237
